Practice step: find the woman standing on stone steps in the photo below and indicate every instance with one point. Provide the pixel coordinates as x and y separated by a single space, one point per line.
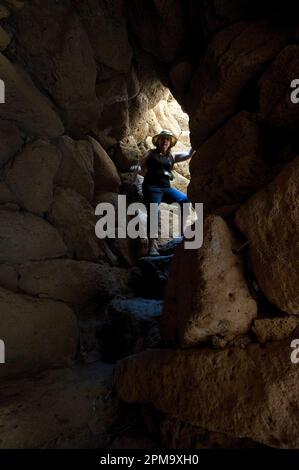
156 185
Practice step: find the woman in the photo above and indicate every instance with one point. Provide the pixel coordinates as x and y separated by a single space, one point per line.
159 164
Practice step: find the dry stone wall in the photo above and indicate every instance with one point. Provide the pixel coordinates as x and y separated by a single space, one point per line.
230 310
86 85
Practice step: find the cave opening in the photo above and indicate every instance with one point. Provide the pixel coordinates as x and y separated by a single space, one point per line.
119 337
146 347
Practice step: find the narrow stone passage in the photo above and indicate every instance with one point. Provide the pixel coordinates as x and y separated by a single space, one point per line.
105 346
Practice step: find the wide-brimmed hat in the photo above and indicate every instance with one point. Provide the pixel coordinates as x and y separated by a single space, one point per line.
165 133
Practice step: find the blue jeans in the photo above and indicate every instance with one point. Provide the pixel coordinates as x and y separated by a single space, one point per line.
157 194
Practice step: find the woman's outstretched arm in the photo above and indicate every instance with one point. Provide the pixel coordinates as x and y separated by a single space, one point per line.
183 156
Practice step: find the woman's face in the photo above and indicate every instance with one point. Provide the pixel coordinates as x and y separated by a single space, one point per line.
164 144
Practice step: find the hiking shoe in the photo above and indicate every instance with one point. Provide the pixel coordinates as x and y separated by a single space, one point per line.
152 251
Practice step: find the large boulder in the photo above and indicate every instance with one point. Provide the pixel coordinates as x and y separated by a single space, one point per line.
37 333
159 27
231 164
232 10
76 170
245 393
122 87
235 55
26 237
180 76
125 154
68 408
10 141
6 195
25 105
151 76
276 108
114 122
115 95
175 109
274 329
74 218
8 277
176 434
207 293
73 282
106 175
5 39
215 15
57 52
31 176
142 118
106 28
269 221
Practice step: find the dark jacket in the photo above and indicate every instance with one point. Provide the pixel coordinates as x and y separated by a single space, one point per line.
159 169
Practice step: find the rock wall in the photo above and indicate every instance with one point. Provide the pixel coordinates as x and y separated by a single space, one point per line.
72 95
87 84
80 107
231 307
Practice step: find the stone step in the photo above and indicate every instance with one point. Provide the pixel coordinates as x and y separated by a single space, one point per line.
130 326
155 272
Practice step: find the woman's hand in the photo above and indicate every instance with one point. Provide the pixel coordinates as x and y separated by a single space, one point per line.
135 169
183 156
